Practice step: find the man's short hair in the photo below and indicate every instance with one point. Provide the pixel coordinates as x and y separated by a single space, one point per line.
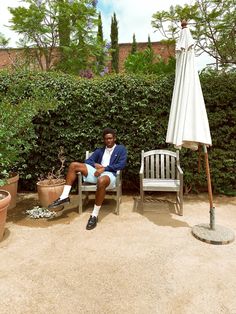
108 131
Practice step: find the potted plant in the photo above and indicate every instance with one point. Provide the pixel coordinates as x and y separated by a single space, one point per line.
50 187
5 198
16 139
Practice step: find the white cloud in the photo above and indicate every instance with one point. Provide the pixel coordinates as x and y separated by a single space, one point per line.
5 17
134 16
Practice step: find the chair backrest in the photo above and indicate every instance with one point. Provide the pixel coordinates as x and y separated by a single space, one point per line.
160 164
88 154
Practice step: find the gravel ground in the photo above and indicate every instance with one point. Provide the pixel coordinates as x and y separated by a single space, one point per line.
134 263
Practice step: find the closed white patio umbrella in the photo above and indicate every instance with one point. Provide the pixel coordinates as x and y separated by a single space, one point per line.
188 125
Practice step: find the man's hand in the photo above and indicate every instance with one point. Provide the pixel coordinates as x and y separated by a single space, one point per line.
99 171
98 166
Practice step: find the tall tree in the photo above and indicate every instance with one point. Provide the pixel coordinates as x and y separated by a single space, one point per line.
47 24
100 28
4 41
64 29
213 25
134 45
114 44
101 54
149 44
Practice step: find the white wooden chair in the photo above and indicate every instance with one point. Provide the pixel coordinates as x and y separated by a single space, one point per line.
90 187
160 171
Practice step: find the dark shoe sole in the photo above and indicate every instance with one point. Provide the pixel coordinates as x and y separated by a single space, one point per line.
92 227
57 213
55 206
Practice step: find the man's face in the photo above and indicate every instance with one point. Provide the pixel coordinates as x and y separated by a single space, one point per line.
109 140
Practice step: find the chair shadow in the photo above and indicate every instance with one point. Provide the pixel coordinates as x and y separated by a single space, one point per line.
160 212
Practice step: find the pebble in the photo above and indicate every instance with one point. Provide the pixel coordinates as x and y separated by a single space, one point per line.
40 212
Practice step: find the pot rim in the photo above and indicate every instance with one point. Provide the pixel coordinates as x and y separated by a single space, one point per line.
4 192
40 183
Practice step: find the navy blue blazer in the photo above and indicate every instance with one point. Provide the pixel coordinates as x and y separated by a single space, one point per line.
117 161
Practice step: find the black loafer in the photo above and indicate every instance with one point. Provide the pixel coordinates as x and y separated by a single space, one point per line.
59 202
92 222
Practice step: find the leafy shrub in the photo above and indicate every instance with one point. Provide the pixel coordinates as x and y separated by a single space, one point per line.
147 62
17 135
138 108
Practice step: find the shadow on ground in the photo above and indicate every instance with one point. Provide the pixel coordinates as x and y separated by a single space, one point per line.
18 214
161 212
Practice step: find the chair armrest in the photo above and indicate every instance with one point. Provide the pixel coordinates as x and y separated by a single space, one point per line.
118 177
79 178
179 172
141 170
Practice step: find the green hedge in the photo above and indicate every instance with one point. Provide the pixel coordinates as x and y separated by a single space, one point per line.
138 108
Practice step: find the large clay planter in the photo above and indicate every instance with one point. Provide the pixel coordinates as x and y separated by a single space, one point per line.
5 198
49 190
11 187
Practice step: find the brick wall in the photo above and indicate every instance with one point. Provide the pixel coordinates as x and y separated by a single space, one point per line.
7 57
11 57
159 48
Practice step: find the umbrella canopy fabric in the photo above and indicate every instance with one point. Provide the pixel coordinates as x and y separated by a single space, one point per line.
188 123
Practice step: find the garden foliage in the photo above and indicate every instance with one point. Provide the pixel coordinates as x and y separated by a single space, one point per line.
17 134
138 108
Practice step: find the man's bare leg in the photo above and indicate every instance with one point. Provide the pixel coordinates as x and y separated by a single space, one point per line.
73 169
102 184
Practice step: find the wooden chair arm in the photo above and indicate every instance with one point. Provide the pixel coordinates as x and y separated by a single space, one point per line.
141 170
179 173
118 178
79 178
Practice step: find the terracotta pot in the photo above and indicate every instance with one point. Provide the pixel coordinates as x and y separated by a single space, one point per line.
11 187
49 190
5 198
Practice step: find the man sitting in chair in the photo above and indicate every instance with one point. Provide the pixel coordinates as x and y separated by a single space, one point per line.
99 168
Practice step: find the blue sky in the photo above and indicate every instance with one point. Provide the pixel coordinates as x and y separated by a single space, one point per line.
134 16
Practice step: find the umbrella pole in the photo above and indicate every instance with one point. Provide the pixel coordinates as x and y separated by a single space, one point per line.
212 208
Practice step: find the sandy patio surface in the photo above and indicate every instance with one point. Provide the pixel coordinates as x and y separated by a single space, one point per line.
133 263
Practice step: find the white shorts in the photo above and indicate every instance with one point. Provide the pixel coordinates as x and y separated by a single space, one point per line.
91 178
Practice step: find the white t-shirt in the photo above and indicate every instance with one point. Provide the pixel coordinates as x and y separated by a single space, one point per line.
107 156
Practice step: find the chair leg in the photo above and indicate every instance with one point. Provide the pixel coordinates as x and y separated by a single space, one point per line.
142 198
118 200
181 202
80 202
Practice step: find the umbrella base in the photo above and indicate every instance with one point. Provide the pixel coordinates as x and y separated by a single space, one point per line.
220 235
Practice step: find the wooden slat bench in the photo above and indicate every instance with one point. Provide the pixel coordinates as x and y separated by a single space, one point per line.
160 171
